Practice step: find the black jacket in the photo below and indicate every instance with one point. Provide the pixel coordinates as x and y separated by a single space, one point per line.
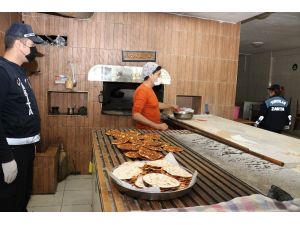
19 115
274 114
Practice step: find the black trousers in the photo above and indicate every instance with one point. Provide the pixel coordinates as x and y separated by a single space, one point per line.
15 196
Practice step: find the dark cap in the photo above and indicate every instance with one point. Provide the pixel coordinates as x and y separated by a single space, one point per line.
22 30
274 87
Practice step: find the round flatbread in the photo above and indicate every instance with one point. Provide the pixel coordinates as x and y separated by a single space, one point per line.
153 148
159 163
177 171
128 147
153 143
112 132
127 172
139 182
132 133
170 148
133 154
149 154
150 136
161 181
133 163
119 141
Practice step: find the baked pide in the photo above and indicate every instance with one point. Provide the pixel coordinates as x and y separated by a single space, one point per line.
150 136
152 142
139 164
147 146
128 147
179 174
133 154
121 140
156 166
127 172
159 163
158 173
177 171
162 181
148 154
170 148
139 182
153 148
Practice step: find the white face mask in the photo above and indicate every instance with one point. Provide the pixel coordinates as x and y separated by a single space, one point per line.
158 81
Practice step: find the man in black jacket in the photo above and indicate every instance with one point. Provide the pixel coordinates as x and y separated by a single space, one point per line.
275 112
19 118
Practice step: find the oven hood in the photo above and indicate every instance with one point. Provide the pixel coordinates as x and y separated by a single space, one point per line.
127 74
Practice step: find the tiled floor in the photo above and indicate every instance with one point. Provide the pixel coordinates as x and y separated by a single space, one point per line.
74 194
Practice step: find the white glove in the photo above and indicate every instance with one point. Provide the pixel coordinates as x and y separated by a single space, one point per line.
10 171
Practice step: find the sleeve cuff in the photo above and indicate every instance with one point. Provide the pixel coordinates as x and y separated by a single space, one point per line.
6 156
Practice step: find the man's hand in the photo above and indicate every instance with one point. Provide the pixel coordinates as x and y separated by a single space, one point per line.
10 171
161 126
286 127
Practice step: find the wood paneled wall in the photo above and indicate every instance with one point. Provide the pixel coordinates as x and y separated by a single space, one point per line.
201 56
6 19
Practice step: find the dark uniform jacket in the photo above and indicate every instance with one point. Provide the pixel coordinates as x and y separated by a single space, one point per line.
19 115
274 114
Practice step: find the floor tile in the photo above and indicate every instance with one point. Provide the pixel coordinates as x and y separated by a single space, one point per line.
46 200
76 208
78 185
44 209
70 177
61 186
77 197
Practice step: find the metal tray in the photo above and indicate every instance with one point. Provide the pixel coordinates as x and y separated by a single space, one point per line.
154 196
183 115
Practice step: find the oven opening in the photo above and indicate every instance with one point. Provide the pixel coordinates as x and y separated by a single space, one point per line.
118 97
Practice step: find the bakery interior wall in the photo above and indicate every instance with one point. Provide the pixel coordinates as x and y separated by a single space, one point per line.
201 56
6 19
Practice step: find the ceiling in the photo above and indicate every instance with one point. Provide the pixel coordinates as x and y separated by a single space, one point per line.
230 17
280 30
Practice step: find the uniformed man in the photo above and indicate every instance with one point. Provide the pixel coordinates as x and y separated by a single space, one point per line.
19 118
275 112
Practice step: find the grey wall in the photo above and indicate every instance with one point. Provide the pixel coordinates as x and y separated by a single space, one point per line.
266 68
253 77
285 76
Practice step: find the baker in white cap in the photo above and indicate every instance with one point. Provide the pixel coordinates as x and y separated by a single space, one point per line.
146 107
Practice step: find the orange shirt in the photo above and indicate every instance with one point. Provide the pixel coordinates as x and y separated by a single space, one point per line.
146 103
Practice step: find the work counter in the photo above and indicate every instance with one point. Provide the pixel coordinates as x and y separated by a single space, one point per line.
213 184
276 148
258 157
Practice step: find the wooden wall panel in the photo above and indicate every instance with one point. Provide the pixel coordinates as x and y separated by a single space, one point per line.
6 19
201 56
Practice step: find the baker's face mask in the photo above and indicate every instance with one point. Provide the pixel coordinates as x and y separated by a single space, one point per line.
158 80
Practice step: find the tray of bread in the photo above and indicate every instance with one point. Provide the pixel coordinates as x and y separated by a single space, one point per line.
153 180
135 145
